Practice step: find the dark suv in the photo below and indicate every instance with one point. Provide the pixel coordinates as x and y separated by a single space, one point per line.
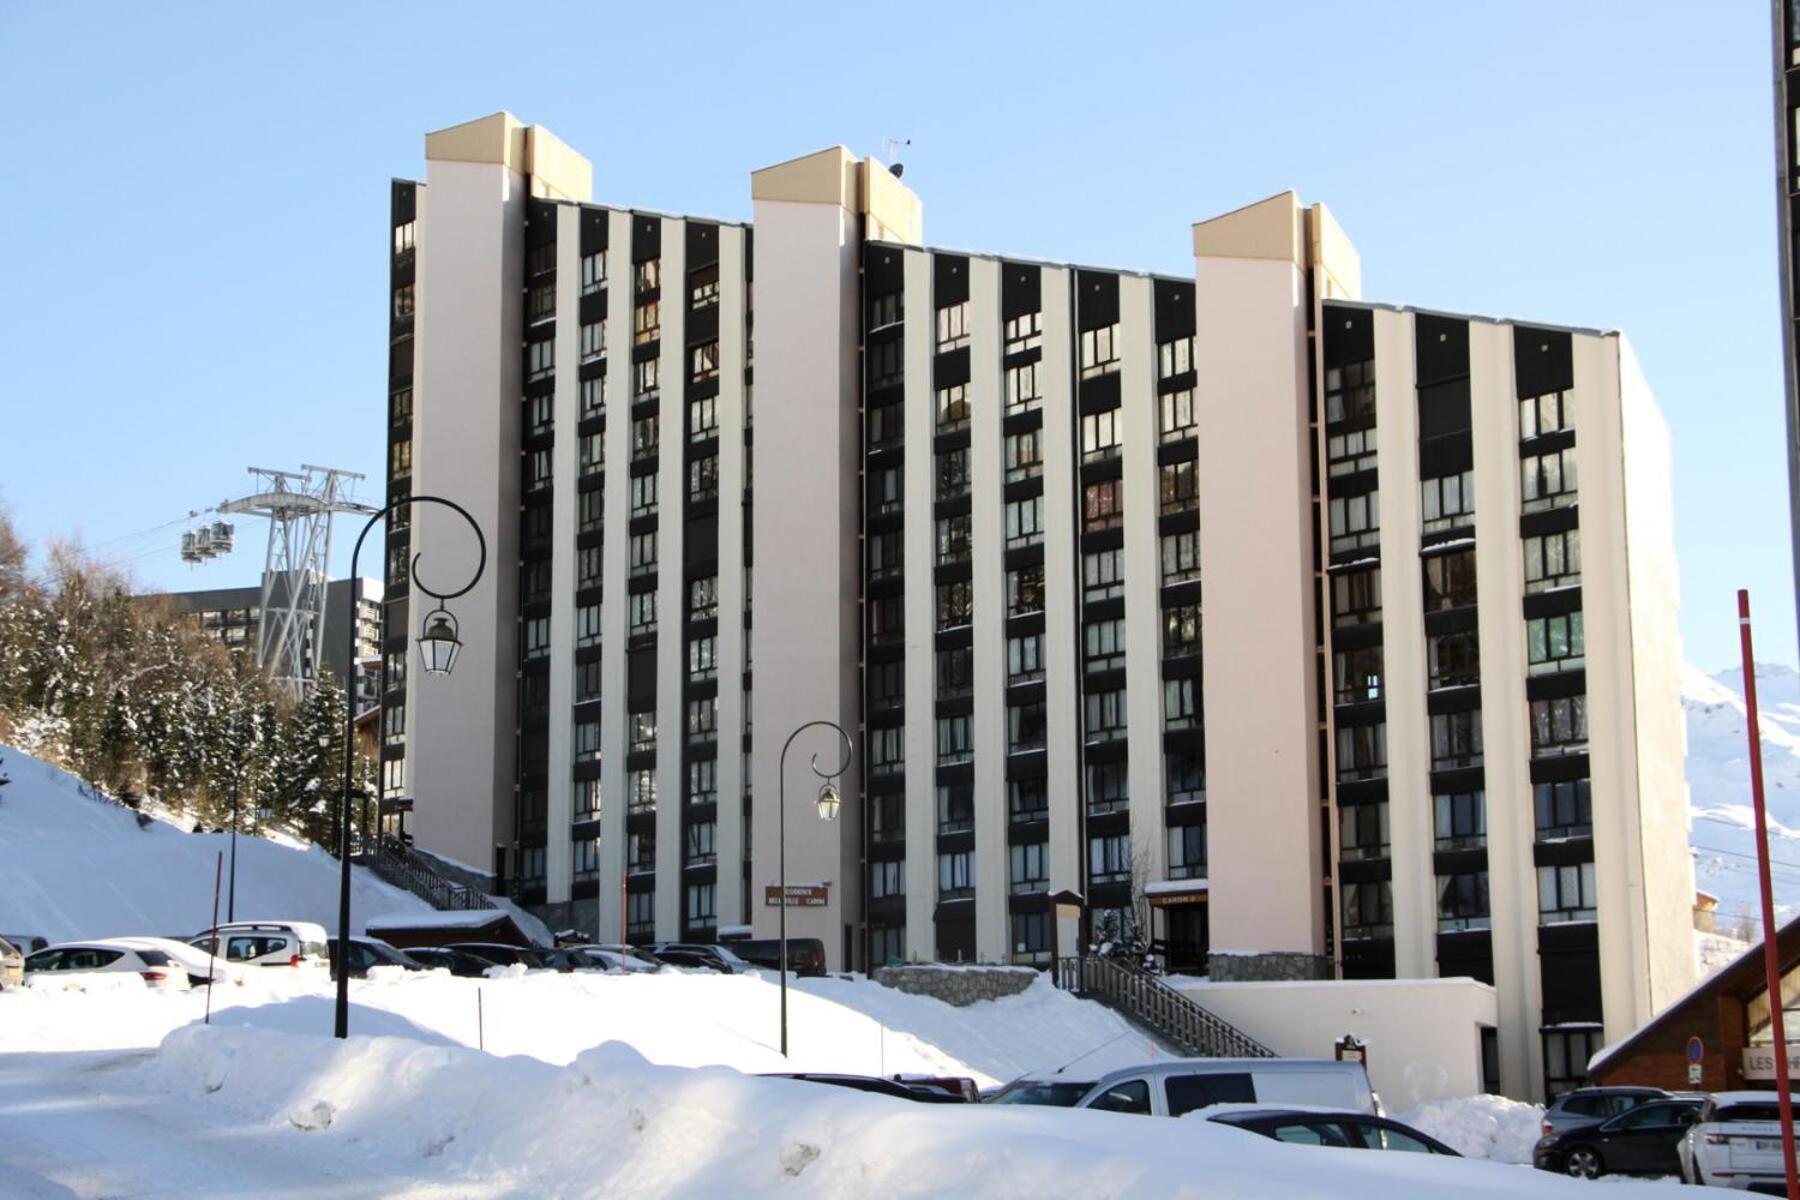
806 956
1592 1105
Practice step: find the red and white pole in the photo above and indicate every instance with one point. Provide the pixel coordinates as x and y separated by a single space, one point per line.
1771 952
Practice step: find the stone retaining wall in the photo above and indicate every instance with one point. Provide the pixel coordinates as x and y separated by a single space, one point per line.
957 985
1268 966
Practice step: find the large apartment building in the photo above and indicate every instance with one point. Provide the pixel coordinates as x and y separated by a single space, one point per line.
1094 566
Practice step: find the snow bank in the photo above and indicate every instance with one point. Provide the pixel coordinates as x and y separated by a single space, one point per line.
76 867
1491 1127
613 1124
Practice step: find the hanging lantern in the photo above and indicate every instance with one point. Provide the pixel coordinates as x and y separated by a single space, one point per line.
828 802
438 643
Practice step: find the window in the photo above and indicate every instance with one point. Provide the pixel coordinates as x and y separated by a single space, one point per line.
536 636
403 237
1565 894
703 598
1548 413
1175 358
703 658
587 741
955 672
1552 560
640 729
1362 831
885 310
953 539
1463 902
703 719
1447 501
537 470
1449 580
644 490
591 453
393 724
703 781
593 272
1027 799
1181 630
1356 598
645 378
403 302
1025 522
1356 675
702 905
646 433
1024 658
1109 859
540 359
540 414
887 619
1566 1056
1024 455
590 511
1023 332
953 325
1461 820
1456 739
887 822
1030 871
956 875
1180 557
1186 782
1349 453
1179 419
587 680
646 323
1179 486
887 879
887 749
394 670
1103 505
955 807
1350 391
400 459
955 740
703 418
704 293
886 491
1548 480
1025 590
703 478
1105 644
1103 574
886 367
953 407
1355 521
1368 911
701 848
1022 392
1452 659
1100 435
1555 644
593 397
400 409
1099 350
887 683
703 362
593 340
541 259
955 604
1105 715
1187 852
1025 727
642 785
886 555
643 553
1181 703
1559 726
1565 809
953 473
587 799
587 625
640 916
1108 787
887 425
1362 751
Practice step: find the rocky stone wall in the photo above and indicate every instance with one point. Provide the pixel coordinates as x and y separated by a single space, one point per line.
1269 966
957 985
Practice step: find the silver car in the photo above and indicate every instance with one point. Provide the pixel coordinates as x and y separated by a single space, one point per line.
1176 1087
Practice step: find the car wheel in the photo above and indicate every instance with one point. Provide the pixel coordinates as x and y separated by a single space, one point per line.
1583 1163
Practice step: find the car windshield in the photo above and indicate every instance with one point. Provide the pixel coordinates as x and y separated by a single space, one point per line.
1748 1112
154 958
1036 1091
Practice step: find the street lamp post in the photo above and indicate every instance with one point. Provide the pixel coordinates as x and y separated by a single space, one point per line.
828 811
438 645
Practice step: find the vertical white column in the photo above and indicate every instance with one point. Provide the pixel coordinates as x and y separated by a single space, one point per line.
1410 817
1143 580
419 420
565 468
1506 745
671 654
918 545
1062 581
615 570
988 552
730 767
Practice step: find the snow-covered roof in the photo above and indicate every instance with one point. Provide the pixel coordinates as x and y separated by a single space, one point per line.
474 918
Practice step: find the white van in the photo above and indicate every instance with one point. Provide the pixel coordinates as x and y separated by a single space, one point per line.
1176 1087
266 944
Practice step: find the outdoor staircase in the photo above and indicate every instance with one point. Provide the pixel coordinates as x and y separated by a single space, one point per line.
399 866
1146 1000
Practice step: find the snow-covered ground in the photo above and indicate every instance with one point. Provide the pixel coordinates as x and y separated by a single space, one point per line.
72 867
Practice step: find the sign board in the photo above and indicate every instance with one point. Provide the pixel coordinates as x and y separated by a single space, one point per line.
1070 912
799 895
1696 1050
1694 1073
1759 1062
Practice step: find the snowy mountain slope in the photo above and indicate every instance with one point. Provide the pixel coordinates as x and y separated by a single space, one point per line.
1718 775
72 866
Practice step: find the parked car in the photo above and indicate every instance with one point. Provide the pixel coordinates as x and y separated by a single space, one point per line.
458 962
1735 1141
499 954
604 958
1176 1087
806 956
12 964
26 943
1592 1105
154 967
876 1084
266 943
367 952
626 951
700 954
1323 1127
1642 1140
959 1086
199 967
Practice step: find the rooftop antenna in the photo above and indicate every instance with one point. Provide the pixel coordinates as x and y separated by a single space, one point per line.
890 149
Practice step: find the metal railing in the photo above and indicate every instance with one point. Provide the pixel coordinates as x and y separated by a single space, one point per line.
1150 1002
400 867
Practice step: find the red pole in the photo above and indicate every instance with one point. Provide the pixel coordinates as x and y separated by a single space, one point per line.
212 953
1771 953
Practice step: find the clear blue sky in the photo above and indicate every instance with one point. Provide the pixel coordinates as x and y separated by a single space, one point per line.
193 202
